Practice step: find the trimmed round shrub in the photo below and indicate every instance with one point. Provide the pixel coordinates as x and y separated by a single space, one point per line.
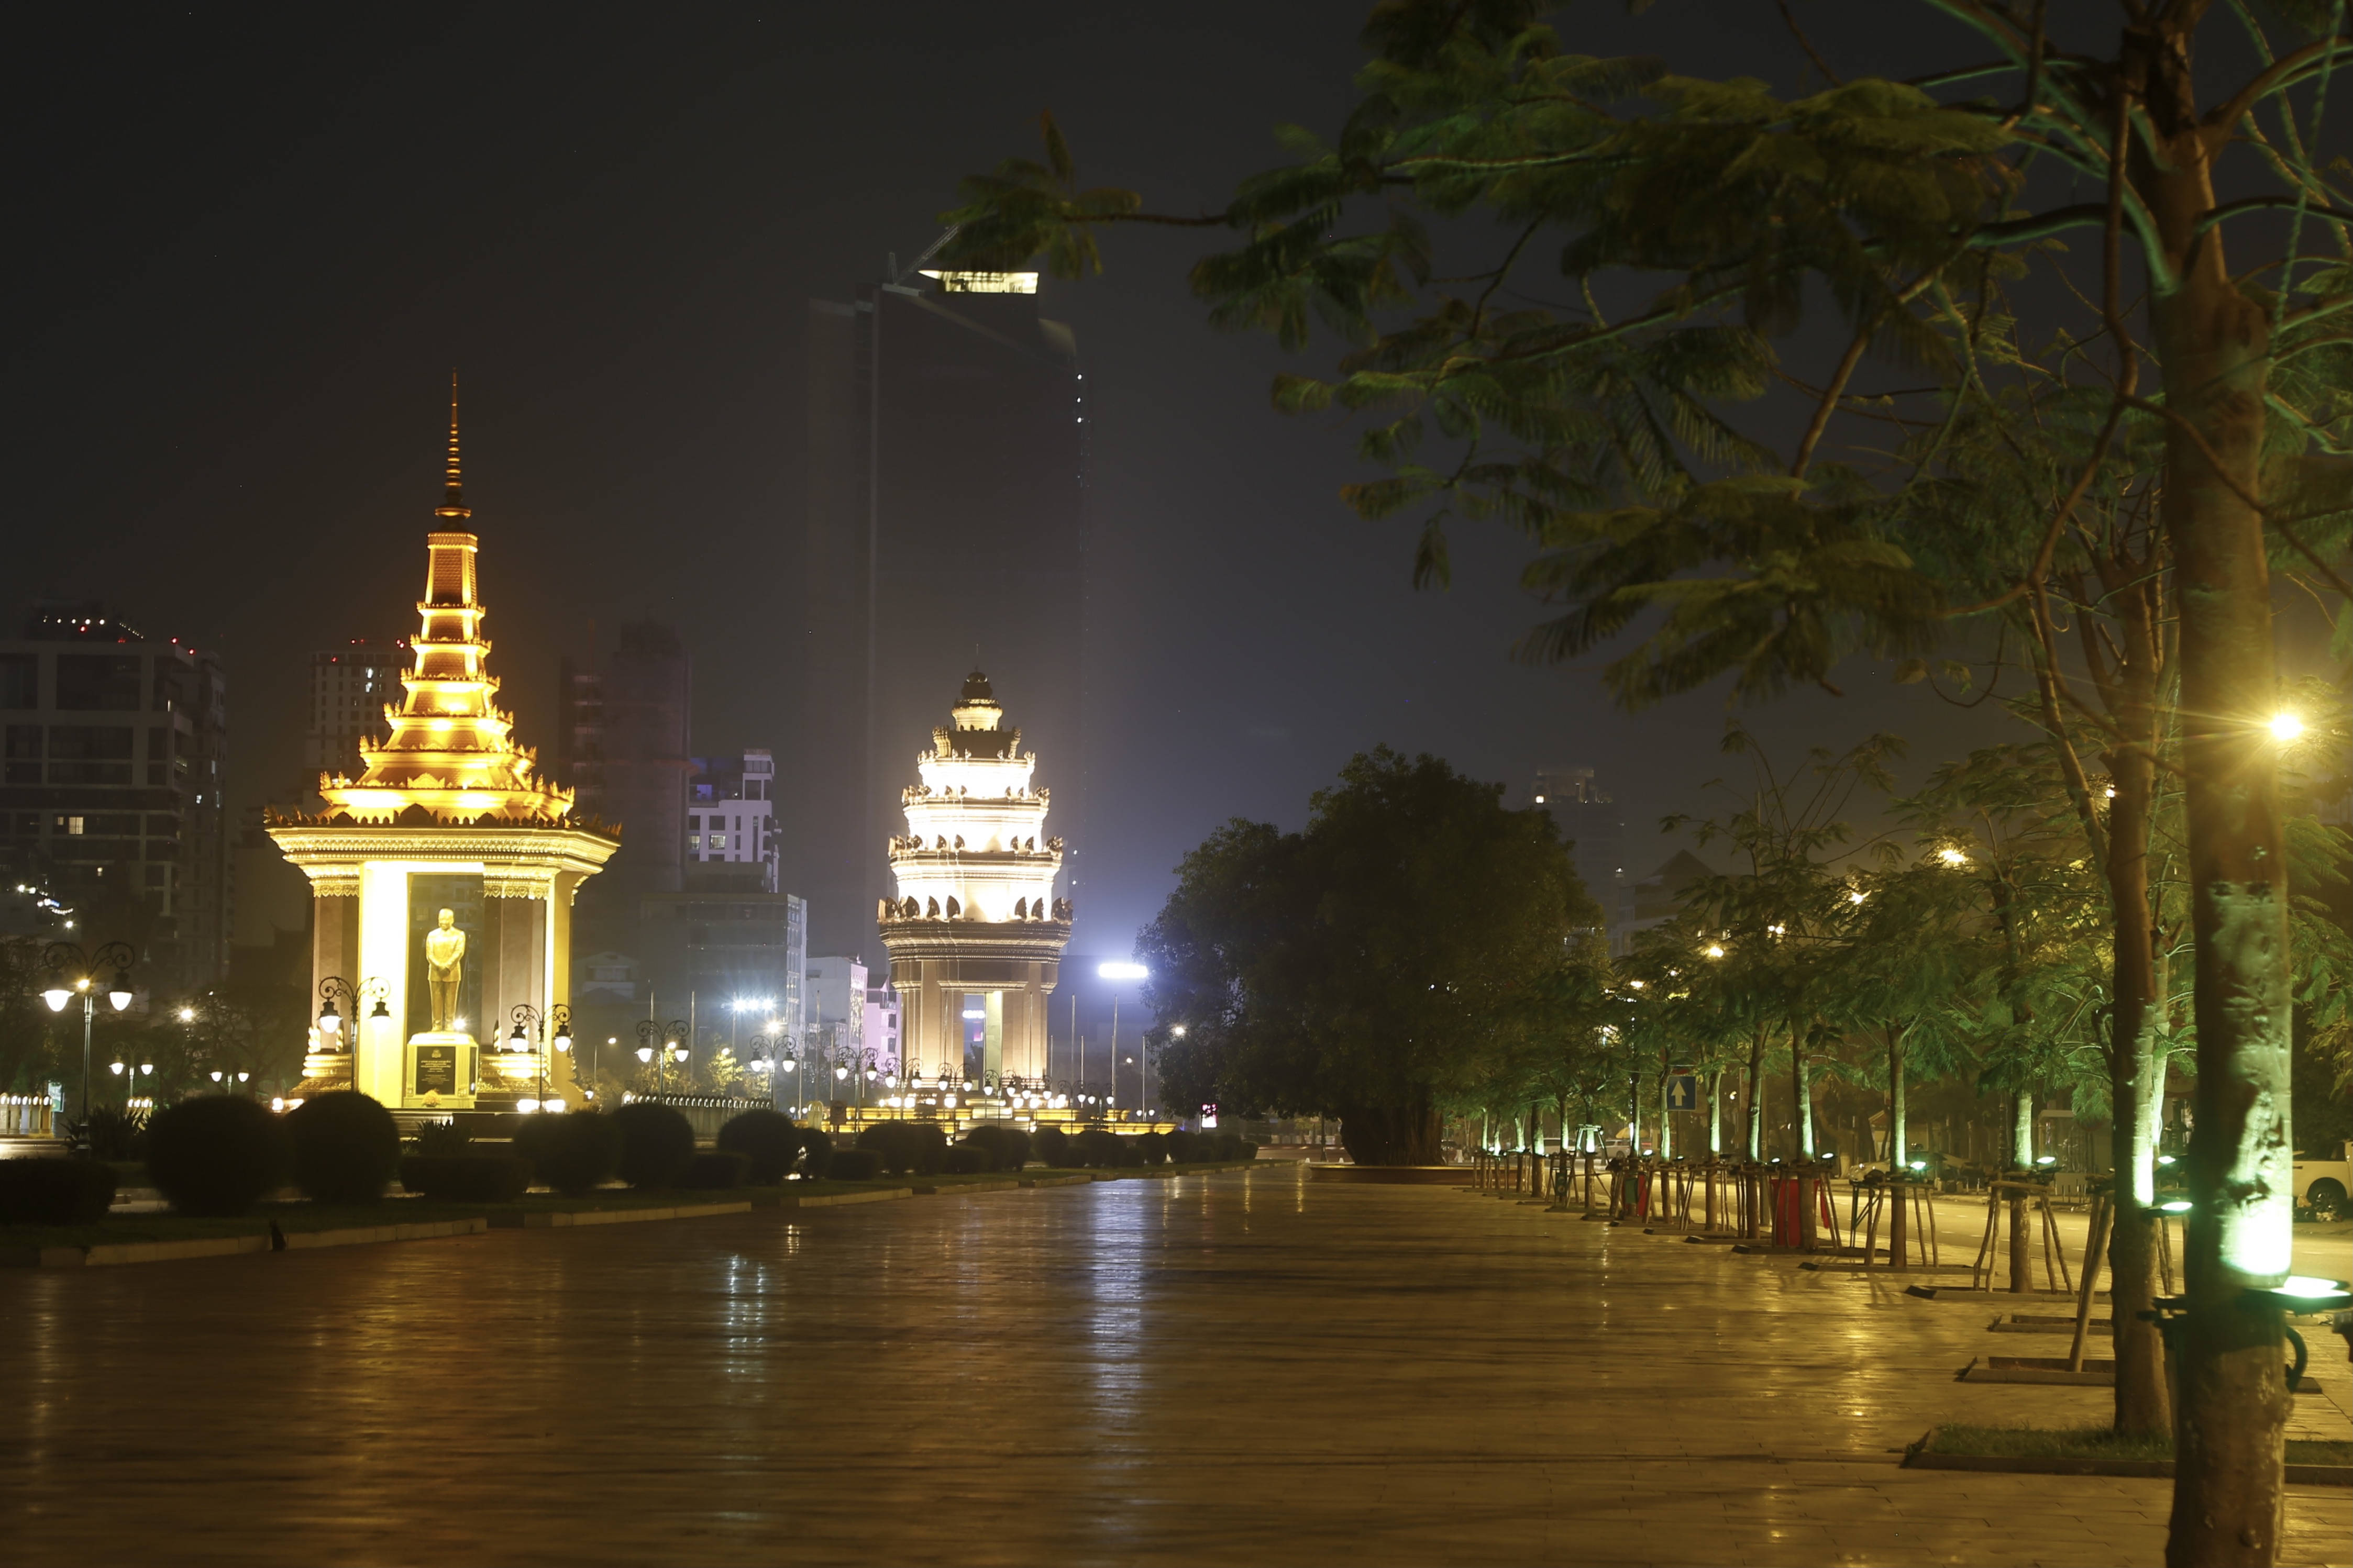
1151 1148
903 1146
1191 1148
657 1141
768 1139
969 1159
467 1178
574 1151
1126 1151
1007 1146
1095 1147
217 1154
854 1165
817 1154
55 1192
1234 1146
346 1147
711 1170
1050 1146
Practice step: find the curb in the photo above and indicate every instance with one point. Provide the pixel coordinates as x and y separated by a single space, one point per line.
562 1219
114 1253
1917 1457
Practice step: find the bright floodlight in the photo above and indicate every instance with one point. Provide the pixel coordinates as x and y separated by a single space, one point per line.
2309 1285
1122 971
1714 950
2286 727
975 1013
1952 856
188 1014
57 996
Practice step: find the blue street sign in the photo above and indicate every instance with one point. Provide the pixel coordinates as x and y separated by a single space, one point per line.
1682 1093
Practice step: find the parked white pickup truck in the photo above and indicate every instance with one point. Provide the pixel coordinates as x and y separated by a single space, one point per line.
2323 1183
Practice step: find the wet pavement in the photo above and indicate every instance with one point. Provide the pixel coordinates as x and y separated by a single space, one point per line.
1237 1368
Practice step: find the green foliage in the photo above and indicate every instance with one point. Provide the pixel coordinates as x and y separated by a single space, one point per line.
768 1139
1095 1148
1377 966
467 1178
969 1159
217 1154
346 1148
817 1153
116 1134
447 1137
574 1151
657 1141
1007 1146
854 1164
1153 1148
904 1146
712 1170
55 1192
1050 1146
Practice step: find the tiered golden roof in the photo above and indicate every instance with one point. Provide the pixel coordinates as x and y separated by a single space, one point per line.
451 752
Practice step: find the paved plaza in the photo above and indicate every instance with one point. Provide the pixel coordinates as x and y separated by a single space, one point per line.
1247 1367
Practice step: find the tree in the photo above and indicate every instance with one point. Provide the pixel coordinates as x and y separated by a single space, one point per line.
1604 428
1381 965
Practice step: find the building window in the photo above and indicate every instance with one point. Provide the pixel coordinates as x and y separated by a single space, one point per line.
24 762
108 681
718 841
89 754
20 681
72 824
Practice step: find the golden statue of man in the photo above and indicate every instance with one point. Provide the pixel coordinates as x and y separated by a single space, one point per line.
445 966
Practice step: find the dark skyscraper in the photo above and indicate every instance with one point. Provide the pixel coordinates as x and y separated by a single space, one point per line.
622 745
945 530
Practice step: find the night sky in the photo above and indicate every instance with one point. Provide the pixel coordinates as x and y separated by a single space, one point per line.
247 249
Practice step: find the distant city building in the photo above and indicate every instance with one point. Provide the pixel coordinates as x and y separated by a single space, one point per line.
730 813
622 746
115 752
882 1024
724 936
349 686
1661 896
1595 829
947 459
836 1011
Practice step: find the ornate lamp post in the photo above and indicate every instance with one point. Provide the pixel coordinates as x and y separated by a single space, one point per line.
62 960
531 1033
647 1031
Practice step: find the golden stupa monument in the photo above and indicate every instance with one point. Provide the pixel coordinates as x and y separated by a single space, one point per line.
442 877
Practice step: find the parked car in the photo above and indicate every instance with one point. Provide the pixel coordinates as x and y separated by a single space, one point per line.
2323 1183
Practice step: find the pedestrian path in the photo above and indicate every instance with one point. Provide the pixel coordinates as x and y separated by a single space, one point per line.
1237 1368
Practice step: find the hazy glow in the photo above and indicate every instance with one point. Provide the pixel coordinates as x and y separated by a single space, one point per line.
2286 727
1122 971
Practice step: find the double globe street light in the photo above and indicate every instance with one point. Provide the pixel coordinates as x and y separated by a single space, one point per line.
531 1034
62 960
647 1033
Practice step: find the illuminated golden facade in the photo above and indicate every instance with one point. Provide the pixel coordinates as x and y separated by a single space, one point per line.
976 926
447 814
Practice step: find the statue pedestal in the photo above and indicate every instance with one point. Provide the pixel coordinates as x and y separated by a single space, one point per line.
438 1071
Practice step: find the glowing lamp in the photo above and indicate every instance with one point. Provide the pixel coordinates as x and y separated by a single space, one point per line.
645 1053
57 996
330 1021
1122 971
2286 727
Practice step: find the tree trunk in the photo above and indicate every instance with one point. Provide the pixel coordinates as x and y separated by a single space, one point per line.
2135 1068
1897 1148
2022 1130
1801 1114
2213 343
1756 1094
1715 1114
1406 1134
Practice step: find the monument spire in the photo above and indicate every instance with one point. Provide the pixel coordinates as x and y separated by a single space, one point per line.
453 491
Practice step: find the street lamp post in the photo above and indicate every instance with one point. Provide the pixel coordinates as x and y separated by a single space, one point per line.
647 1031
58 959
531 1033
